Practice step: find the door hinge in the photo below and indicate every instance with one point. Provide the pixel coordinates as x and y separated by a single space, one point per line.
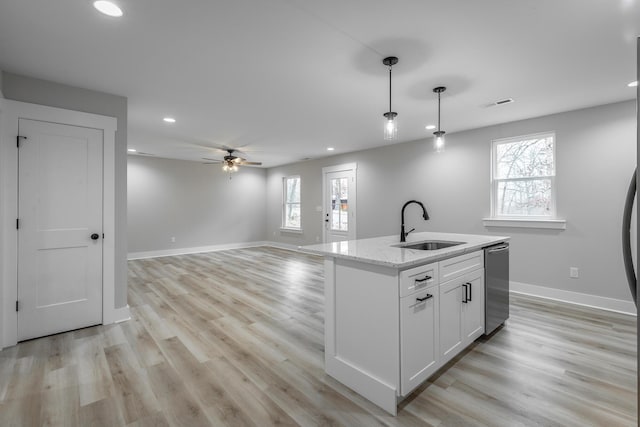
17 223
17 305
18 138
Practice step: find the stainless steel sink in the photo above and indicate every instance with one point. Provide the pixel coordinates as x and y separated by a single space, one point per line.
429 245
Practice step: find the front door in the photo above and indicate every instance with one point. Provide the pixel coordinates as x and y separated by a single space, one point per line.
340 201
60 228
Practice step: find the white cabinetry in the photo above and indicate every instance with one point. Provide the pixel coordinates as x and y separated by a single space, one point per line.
387 330
473 309
451 318
419 330
461 312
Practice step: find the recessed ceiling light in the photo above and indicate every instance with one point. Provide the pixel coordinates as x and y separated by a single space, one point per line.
169 120
131 150
633 84
330 148
429 127
108 8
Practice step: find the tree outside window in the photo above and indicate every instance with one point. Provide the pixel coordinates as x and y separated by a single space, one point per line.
523 176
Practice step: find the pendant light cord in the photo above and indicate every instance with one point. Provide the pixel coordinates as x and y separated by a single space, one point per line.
390 91
438 111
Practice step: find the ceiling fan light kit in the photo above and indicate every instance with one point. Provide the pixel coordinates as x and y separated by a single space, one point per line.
438 140
390 117
230 162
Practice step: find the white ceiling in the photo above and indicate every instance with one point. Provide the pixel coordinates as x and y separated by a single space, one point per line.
287 78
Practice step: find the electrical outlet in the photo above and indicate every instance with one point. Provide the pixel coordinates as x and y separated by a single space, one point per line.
173 240
574 273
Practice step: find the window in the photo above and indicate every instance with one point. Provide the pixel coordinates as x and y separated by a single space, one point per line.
523 177
291 203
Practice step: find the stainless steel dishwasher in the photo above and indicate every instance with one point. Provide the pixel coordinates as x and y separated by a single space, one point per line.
496 286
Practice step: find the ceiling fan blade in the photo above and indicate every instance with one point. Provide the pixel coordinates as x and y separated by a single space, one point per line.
251 163
211 161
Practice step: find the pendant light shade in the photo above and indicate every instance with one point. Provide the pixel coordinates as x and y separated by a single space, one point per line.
390 117
438 136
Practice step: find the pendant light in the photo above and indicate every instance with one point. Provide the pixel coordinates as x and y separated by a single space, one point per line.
438 140
390 121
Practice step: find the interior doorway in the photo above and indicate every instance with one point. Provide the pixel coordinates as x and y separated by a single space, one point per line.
59 229
70 128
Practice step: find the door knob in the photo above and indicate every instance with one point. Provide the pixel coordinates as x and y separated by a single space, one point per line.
95 236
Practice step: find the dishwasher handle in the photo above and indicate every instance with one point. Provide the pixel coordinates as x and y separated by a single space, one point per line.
498 249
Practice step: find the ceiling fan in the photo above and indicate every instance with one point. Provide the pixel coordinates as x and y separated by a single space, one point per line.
230 162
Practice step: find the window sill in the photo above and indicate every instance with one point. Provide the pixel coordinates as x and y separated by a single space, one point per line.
552 224
291 230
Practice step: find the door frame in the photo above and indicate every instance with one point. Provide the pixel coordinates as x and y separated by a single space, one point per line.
10 113
346 167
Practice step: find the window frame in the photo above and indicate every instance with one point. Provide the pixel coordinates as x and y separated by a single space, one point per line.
496 181
283 225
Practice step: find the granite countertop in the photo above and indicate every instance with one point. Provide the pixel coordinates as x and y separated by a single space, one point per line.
382 250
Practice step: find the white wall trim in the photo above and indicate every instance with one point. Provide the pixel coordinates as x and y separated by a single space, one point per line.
338 168
12 112
121 314
212 248
553 224
279 245
291 230
194 250
595 301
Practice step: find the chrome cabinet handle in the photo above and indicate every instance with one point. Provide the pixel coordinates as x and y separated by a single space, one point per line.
464 301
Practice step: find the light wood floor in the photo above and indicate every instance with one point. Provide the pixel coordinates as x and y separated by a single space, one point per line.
236 338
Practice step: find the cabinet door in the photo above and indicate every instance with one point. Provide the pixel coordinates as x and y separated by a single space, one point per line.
473 310
451 336
418 339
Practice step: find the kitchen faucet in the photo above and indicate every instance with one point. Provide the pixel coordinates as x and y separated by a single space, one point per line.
425 215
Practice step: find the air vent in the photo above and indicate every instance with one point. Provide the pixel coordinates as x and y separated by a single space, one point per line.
504 101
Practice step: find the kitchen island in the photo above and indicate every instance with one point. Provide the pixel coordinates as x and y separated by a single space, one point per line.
394 315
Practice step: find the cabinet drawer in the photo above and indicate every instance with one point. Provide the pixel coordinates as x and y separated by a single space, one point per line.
418 278
460 265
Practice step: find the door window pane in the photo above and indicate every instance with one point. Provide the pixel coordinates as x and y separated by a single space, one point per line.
339 204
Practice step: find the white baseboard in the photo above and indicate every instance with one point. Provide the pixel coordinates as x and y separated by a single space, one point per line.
595 301
279 245
116 315
121 314
196 250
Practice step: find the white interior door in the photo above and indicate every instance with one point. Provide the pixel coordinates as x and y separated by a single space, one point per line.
60 228
339 203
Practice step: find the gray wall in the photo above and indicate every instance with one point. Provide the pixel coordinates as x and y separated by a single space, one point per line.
36 91
195 203
596 154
